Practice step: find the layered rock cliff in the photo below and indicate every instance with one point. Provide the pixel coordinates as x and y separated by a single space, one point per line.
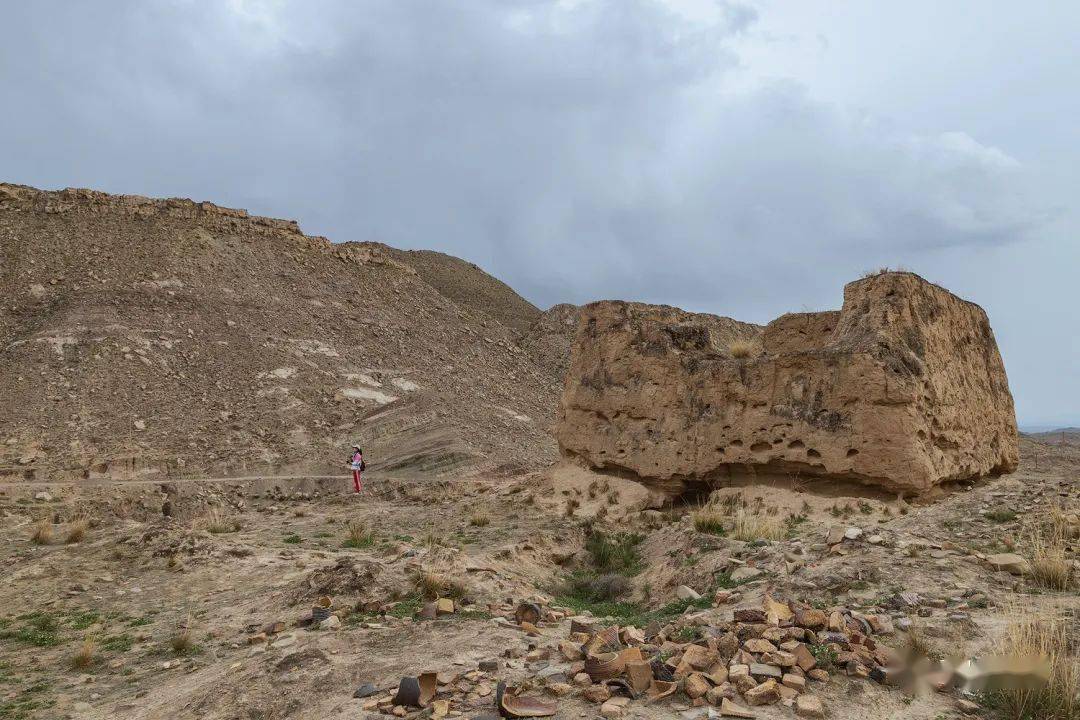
903 388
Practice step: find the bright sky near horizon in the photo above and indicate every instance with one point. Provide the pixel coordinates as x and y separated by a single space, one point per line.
742 158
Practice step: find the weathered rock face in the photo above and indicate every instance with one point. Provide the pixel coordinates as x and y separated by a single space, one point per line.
903 388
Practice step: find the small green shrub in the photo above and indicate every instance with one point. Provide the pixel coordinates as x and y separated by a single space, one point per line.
597 588
1000 515
615 554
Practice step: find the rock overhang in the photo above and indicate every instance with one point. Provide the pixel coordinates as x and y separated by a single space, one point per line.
902 388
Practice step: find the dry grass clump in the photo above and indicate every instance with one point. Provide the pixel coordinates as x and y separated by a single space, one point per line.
741 349
77 530
433 585
709 519
216 521
750 527
358 534
43 532
919 646
181 643
1051 565
480 518
1036 633
597 588
85 656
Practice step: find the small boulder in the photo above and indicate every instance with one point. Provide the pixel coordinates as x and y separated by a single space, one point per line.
761 670
696 686
767 693
611 710
749 615
1010 562
597 693
758 645
560 689
745 573
730 709
571 651
685 592
811 618
809 706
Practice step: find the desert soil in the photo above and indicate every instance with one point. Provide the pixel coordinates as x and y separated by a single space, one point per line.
176 614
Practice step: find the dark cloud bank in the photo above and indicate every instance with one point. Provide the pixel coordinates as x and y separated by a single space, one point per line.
576 150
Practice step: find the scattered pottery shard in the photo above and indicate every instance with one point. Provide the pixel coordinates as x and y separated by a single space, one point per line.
577 626
365 690
416 691
606 640
661 671
527 612
521 707
604 666
429 683
902 388
631 636
618 686
660 689
640 675
408 692
429 611
730 709
776 609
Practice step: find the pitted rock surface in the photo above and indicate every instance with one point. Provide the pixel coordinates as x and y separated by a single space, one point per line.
903 388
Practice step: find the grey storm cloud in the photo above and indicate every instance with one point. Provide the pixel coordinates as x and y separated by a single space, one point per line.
577 150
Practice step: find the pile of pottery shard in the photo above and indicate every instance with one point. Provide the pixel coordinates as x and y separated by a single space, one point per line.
772 655
763 656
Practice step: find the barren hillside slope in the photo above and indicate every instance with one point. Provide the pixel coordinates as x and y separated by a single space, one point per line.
469 286
141 335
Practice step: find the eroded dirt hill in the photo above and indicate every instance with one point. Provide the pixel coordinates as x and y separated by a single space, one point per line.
139 334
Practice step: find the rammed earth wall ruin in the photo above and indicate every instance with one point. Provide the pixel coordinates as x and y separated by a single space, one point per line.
903 388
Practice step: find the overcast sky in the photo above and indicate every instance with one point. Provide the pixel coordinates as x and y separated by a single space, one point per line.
745 159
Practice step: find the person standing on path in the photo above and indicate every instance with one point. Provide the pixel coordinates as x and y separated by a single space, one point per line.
356 464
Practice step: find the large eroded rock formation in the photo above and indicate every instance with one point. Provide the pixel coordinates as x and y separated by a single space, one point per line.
903 388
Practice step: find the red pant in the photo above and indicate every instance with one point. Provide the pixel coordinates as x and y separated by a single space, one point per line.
356 480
